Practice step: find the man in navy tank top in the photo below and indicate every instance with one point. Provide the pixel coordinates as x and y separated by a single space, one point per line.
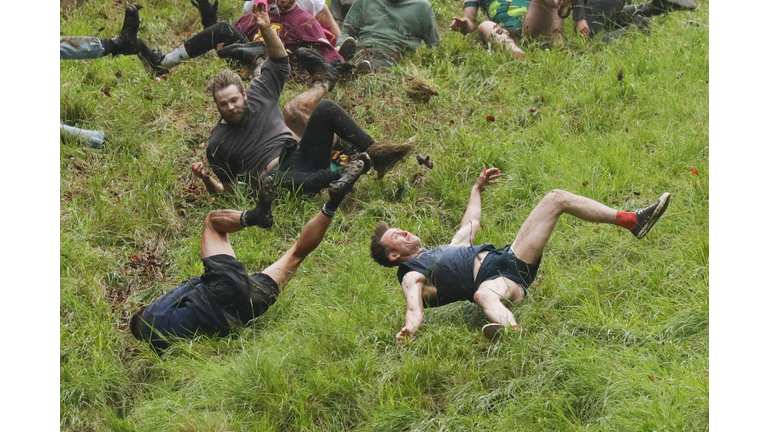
482 273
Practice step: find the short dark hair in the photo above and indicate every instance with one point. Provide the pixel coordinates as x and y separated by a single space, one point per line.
225 79
379 252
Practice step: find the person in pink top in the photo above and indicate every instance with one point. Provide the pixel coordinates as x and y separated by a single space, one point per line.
318 9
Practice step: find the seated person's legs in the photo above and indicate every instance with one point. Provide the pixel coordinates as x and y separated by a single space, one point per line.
542 18
491 33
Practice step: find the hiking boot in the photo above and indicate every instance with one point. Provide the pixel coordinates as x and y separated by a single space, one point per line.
363 67
127 42
614 35
246 54
367 162
674 5
492 330
385 156
347 48
261 216
647 217
344 69
314 63
151 59
341 187
207 11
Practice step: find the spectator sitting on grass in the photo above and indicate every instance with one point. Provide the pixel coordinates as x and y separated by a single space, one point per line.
613 16
482 273
243 42
226 296
252 140
317 9
377 32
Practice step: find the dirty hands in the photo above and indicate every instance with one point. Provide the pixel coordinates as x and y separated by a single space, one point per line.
463 25
261 15
487 177
582 28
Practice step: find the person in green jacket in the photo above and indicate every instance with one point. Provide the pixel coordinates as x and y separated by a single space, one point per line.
376 33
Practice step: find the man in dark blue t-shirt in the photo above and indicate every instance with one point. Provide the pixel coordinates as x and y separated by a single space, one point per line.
483 274
226 296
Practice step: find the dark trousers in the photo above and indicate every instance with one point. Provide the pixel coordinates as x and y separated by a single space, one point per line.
211 36
612 14
307 168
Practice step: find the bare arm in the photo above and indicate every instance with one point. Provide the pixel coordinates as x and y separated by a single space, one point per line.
466 24
326 20
470 224
413 283
274 45
211 185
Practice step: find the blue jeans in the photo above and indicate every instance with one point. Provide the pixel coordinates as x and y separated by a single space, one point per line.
80 47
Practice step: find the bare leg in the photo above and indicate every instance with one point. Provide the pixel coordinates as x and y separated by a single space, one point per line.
296 112
489 294
542 20
311 235
534 234
218 224
492 33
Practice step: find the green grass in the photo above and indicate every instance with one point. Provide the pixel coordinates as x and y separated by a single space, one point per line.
616 332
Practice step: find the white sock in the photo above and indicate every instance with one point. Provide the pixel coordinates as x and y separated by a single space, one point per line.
174 57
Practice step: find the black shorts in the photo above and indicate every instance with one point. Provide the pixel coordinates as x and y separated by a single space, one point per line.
504 263
237 293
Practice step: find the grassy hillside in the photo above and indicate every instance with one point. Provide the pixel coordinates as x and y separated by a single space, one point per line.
615 330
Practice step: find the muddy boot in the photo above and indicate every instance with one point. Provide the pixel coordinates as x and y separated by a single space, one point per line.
348 48
127 42
343 186
246 54
385 156
207 11
314 63
261 216
152 60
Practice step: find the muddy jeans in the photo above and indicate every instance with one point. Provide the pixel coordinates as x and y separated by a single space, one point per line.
80 47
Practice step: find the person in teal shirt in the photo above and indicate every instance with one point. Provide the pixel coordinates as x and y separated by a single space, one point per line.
384 30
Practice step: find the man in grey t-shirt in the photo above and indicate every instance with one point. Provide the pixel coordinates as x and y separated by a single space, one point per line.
252 139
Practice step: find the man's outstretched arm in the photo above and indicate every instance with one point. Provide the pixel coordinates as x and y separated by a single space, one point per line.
413 283
470 224
274 45
211 185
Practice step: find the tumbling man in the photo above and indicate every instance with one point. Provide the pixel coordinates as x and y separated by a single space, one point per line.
226 297
483 274
613 16
377 32
508 21
252 140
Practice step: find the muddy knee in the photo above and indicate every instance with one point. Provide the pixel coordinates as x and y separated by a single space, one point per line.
487 29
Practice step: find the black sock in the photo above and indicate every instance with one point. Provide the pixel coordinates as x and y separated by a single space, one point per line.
251 217
329 209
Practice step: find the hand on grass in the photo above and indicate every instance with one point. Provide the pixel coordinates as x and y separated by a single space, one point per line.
487 177
199 172
205 5
404 335
582 28
463 25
